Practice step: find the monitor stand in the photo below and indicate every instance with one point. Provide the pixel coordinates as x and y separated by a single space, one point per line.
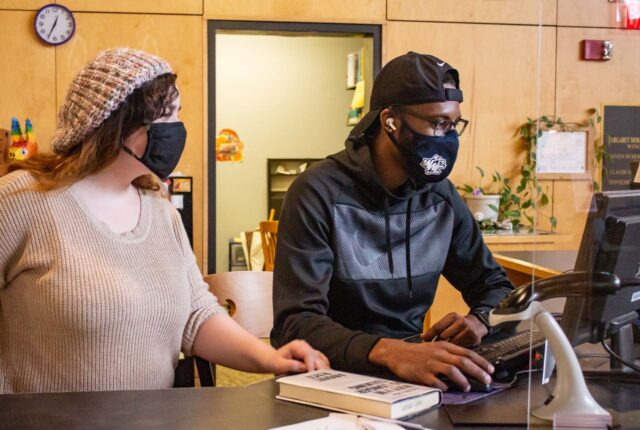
623 345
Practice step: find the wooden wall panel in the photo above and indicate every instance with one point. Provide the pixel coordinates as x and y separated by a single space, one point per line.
27 70
480 11
498 75
587 13
571 207
590 84
182 47
354 11
193 7
23 4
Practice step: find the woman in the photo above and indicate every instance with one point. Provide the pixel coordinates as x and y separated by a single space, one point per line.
99 288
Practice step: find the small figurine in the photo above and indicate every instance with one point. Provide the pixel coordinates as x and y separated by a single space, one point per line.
22 147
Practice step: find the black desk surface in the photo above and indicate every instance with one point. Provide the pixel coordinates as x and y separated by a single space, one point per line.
252 407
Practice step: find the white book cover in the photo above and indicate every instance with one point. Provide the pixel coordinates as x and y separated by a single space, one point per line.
359 393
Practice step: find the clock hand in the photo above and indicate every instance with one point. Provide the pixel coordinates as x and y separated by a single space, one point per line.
54 26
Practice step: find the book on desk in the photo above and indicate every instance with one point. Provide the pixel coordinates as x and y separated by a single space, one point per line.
367 395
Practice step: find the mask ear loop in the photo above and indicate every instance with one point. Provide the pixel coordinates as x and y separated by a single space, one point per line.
128 150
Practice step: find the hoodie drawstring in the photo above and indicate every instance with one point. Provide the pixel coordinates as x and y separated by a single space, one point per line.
407 248
388 233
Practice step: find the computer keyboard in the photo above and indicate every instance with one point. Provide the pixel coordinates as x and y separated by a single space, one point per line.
503 350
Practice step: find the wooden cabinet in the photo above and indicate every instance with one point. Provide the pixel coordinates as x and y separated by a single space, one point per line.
480 11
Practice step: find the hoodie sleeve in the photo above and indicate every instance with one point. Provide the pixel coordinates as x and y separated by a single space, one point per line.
470 266
301 283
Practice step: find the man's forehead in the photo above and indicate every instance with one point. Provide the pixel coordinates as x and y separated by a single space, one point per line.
449 109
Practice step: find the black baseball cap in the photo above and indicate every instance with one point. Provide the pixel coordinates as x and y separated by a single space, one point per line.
409 79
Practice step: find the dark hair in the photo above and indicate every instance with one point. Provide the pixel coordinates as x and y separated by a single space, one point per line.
449 79
144 105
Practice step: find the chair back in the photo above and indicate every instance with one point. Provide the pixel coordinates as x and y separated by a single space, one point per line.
248 297
269 237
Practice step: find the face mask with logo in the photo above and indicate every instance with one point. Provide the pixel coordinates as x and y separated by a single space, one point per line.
428 158
165 143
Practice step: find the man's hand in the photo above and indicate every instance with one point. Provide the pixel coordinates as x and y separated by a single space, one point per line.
422 363
463 331
297 356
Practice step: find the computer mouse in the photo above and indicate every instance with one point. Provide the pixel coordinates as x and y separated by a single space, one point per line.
476 385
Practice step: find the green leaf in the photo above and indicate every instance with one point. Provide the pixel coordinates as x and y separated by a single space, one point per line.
481 171
554 223
467 188
494 208
506 181
527 204
544 199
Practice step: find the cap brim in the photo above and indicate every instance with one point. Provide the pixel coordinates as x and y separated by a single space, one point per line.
366 122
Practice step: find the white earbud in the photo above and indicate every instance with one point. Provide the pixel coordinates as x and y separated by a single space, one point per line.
390 124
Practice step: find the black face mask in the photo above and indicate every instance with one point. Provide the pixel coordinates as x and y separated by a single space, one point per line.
427 158
165 143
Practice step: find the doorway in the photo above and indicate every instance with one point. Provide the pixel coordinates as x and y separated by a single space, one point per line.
282 89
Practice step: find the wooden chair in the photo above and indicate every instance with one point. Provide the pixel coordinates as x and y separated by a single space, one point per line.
269 237
518 271
248 297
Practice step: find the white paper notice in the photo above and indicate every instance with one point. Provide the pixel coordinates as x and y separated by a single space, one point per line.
562 152
178 201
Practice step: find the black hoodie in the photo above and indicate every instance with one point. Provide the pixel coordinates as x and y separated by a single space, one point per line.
355 263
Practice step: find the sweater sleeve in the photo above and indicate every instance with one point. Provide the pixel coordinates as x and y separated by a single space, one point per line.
204 305
14 215
301 284
470 266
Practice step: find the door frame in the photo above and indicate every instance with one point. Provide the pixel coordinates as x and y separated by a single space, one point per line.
373 30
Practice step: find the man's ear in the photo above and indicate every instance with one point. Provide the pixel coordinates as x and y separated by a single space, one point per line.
388 121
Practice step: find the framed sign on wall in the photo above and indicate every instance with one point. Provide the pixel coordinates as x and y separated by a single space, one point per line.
565 154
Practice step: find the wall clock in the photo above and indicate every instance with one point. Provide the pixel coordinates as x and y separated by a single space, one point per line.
54 24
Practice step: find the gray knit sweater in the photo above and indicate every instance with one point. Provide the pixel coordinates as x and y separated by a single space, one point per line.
85 309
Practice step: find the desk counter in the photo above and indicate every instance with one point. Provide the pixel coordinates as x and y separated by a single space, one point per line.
253 408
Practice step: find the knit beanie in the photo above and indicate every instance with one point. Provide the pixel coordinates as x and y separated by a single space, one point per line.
99 89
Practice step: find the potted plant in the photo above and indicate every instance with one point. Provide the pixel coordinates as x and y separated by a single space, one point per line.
483 204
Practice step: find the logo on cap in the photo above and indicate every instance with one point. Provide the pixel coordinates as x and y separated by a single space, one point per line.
440 64
433 165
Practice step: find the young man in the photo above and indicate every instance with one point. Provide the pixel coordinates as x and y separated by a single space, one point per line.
365 235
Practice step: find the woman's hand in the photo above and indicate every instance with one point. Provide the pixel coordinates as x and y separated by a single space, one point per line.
297 356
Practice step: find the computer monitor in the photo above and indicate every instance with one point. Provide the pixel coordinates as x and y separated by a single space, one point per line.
610 243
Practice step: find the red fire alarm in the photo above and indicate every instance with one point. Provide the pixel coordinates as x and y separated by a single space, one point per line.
597 50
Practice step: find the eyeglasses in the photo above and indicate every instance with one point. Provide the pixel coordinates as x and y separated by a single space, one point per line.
439 126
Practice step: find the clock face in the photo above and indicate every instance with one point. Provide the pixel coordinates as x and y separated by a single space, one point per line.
54 24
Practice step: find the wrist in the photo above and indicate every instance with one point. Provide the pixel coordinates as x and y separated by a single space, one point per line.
481 318
382 351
